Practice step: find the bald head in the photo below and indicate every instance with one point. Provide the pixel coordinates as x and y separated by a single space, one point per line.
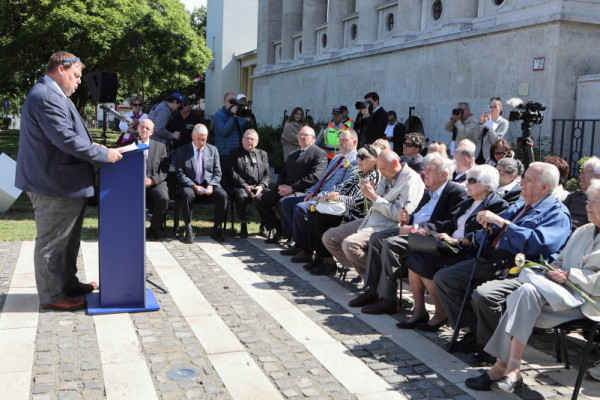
388 163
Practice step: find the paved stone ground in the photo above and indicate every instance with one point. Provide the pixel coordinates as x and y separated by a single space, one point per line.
66 363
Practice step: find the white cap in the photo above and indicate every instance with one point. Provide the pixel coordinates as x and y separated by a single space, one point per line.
241 96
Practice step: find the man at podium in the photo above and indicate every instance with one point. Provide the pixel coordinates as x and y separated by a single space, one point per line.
54 167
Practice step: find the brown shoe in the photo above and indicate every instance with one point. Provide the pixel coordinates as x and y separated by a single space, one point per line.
82 288
66 304
292 251
302 257
381 306
363 300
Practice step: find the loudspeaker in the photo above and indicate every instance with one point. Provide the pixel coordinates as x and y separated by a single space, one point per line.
102 86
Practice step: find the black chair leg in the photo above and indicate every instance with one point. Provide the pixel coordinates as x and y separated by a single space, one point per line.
584 362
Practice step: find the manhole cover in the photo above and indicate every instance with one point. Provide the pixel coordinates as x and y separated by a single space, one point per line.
183 374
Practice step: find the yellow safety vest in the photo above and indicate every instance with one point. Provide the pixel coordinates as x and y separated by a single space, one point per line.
332 140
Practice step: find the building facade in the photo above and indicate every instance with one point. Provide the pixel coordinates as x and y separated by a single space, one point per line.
427 54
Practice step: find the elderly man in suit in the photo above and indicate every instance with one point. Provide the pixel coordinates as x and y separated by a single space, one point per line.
302 169
537 225
198 177
249 175
157 167
348 243
388 247
56 153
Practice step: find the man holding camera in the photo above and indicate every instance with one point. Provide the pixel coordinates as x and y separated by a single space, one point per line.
374 120
229 128
463 125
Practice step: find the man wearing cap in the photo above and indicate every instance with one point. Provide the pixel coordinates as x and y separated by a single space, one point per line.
329 136
229 129
345 117
161 114
183 122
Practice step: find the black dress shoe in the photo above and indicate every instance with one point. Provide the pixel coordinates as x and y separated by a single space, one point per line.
364 299
482 383
468 344
244 231
324 269
292 251
424 326
506 385
356 280
482 359
151 235
189 236
381 306
302 257
216 234
82 288
413 324
312 264
276 238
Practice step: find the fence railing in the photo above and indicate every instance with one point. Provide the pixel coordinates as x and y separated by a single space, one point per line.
574 139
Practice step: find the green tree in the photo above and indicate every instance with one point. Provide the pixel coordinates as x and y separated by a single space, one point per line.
151 44
198 17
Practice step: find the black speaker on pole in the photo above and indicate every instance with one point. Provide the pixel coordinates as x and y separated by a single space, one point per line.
102 86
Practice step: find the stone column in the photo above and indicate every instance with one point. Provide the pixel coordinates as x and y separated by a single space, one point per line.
291 23
338 9
269 30
314 13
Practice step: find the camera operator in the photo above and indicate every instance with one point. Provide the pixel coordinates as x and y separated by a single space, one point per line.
374 119
248 115
229 128
463 125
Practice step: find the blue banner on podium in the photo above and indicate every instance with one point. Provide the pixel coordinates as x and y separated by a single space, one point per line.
122 238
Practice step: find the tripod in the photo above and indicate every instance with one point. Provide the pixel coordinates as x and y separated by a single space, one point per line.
525 144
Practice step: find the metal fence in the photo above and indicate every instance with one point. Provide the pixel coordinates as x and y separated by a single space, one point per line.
574 139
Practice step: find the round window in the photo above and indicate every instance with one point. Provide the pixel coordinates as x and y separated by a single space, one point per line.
389 22
498 2
324 40
353 31
436 10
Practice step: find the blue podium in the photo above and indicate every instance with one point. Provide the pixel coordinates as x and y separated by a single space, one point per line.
122 238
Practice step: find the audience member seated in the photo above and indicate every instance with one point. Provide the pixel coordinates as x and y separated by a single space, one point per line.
438 147
500 149
382 144
482 182
249 175
575 202
537 225
157 167
510 171
350 195
295 210
560 192
412 146
198 176
303 168
464 158
289 135
388 247
493 128
349 242
543 301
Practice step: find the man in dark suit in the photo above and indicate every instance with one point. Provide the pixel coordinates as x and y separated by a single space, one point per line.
302 169
411 148
374 120
198 177
387 248
56 153
157 167
249 175
395 132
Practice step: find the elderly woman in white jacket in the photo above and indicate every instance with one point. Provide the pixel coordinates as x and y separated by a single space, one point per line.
527 307
493 128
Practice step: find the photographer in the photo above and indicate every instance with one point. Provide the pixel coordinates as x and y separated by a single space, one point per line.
493 128
374 119
228 127
247 114
463 125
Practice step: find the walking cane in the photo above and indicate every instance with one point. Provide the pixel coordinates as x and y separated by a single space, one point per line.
467 294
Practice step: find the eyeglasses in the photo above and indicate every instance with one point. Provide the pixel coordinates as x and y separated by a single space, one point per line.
250 139
499 153
362 157
409 144
587 172
503 172
591 202
304 134
137 104
472 181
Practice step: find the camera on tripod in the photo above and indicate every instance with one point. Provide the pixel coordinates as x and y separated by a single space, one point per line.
243 110
531 113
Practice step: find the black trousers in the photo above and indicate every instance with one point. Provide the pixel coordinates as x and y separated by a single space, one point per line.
266 204
218 197
241 200
157 200
317 225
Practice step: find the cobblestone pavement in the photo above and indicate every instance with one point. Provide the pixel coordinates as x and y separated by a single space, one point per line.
67 359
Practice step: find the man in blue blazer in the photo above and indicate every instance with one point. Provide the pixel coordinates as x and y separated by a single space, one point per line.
198 177
538 225
54 167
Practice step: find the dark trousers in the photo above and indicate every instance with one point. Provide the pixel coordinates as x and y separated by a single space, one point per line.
218 197
267 203
317 225
157 201
386 250
241 201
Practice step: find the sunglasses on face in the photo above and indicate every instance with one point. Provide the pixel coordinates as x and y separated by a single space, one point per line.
362 157
409 144
472 181
499 153
137 104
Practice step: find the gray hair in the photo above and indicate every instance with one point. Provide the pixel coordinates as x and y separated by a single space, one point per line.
201 129
550 174
486 175
389 156
309 131
465 151
250 131
511 165
446 165
594 188
595 162
468 144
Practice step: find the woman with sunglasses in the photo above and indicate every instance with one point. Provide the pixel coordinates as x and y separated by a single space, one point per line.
482 181
349 193
289 136
510 171
500 149
136 115
493 128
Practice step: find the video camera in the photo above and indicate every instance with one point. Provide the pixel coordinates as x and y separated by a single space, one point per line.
457 111
530 113
244 110
361 105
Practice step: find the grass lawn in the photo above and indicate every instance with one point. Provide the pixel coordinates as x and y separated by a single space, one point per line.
17 223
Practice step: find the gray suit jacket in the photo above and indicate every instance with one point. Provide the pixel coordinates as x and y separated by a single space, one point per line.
185 164
158 162
55 148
